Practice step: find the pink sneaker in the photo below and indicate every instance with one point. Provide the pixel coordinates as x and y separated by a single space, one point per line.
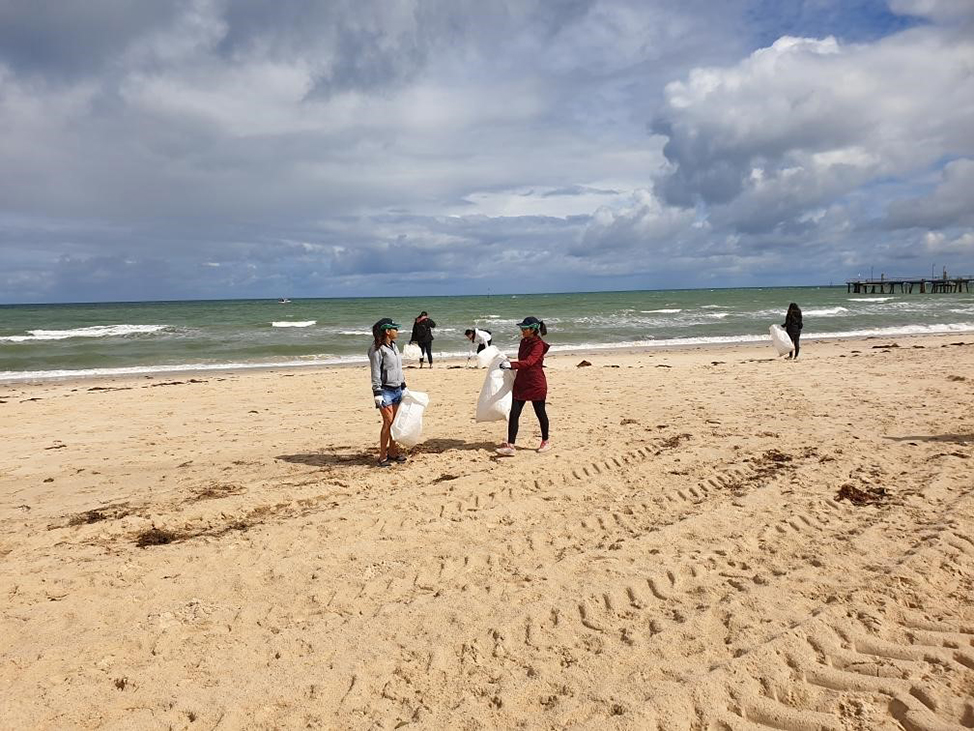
545 446
505 450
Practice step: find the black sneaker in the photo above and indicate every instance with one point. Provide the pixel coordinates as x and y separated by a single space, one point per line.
384 463
400 458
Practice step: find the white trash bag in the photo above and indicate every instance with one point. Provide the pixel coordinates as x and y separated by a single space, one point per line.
781 340
494 403
407 427
412 352
487 355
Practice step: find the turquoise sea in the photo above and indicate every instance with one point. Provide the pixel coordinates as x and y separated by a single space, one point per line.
78 340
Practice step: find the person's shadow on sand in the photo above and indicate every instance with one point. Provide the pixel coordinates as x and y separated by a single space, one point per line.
441 446
329 459
341 457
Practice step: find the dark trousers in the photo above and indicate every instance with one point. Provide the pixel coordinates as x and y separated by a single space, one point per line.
482 346
427 350
539 411
794 339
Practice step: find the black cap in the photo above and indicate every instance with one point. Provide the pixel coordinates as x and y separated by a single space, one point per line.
385 323
529 322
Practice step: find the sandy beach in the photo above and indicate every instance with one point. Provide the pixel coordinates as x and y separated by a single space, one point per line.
719 540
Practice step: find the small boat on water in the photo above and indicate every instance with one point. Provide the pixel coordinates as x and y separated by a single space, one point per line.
284 301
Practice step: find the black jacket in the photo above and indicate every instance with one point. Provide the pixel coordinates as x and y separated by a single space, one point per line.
422 331
793 322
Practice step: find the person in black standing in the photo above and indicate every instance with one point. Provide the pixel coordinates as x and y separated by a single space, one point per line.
793 326
422 335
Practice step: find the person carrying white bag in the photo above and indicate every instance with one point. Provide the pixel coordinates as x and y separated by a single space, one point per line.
388 385
530 383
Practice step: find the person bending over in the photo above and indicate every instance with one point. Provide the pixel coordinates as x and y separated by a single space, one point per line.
480 338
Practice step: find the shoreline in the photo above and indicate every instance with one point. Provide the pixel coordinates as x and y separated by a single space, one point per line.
454 362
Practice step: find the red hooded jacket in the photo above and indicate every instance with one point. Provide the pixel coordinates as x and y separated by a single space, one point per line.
530 383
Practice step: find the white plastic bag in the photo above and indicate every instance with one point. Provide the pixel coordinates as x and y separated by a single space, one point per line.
494 403
487 355
411 352
781 340
407 427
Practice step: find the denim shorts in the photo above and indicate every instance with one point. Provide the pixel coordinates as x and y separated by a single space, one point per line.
391 396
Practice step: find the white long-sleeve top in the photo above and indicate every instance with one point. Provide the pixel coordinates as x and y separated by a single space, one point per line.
480 337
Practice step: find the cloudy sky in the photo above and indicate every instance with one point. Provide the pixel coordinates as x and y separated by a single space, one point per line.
249 148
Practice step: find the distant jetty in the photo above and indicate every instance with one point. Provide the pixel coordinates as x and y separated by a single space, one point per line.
884 285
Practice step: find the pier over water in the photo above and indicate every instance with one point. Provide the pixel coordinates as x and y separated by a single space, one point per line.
884 285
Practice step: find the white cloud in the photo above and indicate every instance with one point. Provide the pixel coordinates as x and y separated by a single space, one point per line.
840 115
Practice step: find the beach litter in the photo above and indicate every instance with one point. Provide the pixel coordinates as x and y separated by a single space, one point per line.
858 496
155 537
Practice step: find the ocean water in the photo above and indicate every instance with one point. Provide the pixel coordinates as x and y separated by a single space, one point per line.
70 341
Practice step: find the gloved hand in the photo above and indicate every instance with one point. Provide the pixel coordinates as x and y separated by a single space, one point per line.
378 401
403 385
505 365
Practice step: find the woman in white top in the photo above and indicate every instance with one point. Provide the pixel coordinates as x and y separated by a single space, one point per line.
480 338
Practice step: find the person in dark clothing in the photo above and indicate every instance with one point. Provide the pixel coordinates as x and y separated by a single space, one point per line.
793 326
422 335
530 383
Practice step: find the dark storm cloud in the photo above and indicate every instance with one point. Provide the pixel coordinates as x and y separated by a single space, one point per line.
951 203
66 39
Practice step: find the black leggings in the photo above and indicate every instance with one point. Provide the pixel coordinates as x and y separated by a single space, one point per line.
794 338
539 411
427 350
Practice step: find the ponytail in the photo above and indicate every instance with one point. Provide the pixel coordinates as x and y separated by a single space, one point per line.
378 335
542 328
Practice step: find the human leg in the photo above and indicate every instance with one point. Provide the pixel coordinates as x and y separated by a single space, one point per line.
385 434
512 422
541 412
794 339
391 399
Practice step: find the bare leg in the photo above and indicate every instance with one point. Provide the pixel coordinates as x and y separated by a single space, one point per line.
385 435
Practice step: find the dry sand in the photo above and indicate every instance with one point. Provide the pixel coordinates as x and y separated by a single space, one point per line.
679 560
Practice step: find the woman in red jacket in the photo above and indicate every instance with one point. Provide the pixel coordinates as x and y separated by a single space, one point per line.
529 383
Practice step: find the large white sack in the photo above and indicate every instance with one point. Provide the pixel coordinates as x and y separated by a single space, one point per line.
487 355
407 427
781 340
412 352
494 403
